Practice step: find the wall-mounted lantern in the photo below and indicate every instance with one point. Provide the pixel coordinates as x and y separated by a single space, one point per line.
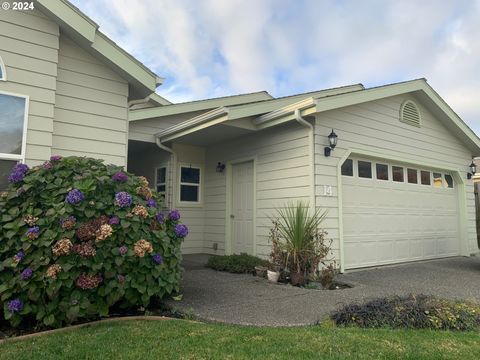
473 170
220 167
332 141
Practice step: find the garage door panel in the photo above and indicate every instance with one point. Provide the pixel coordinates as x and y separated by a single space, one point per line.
386 222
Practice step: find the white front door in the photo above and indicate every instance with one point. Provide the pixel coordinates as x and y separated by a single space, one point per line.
242 208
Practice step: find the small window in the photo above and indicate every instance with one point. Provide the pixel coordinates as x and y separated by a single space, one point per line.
412 176
449 180
365 169
161 180
397 173
425 177
3 72
190 184
437 180
6 167
347 168
382 171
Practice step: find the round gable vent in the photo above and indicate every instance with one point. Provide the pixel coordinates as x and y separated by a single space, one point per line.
409 113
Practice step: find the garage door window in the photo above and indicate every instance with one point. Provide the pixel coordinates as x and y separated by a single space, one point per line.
365 169
425 177
347 168
397 173
437 180
382 171
412 176
449 181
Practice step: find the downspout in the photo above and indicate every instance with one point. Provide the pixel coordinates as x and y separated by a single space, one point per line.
311 141
138 101
172 171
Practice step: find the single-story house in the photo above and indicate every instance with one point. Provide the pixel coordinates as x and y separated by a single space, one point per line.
397 186
65 88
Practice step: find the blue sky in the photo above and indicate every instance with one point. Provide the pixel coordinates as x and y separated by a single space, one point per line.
210 48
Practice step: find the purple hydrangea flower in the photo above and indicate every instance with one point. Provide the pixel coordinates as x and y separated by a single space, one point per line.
181 230
32 232
75 196
122 250
47 165
123 199
54 158
157 258
120 278
114 220
15 305
19 256
151 203
120 176
160 218
18 173
174 215
26 274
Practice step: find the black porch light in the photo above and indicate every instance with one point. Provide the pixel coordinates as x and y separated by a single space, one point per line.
332 141
473 170
220 167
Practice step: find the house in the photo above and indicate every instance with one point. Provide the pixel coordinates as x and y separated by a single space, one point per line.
397 185
65 87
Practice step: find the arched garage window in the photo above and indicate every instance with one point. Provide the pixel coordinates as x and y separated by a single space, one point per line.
13 125
3 72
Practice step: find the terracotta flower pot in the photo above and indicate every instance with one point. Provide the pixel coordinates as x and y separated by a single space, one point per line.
297 279
273 276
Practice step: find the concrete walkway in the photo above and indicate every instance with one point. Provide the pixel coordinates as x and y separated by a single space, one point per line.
249 300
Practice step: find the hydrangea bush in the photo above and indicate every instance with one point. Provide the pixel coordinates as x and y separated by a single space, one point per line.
78 237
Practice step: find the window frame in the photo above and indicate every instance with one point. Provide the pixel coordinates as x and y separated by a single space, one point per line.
165 193
19 157
353 167
4 70
372 170
198 203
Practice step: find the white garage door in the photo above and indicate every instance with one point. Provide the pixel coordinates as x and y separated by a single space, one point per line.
394 213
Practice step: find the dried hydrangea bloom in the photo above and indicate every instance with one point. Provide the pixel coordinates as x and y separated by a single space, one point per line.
53 271
30 220
144 192
18 257
120 278
68 223
85 249
141 247
85 281
62 247
3 194
104 232
47 165
143 181
140 211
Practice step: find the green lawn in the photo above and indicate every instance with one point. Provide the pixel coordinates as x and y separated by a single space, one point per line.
180 339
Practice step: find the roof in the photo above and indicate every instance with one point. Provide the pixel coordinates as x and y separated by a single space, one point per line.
85 31
199 105
313 103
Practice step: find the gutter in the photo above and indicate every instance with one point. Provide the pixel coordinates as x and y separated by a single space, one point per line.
311 142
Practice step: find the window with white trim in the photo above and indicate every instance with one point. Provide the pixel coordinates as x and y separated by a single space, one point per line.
13 125
3 71
190 184
161 180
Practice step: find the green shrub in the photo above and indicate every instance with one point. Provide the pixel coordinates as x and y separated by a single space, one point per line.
417 312
239 264
78 237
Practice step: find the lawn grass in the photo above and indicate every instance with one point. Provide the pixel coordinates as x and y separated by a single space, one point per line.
181 339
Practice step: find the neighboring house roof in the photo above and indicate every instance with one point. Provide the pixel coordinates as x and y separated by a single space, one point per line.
179 108
324 101
85 32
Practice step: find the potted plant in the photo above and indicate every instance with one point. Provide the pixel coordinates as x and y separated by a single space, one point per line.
261 271
273 273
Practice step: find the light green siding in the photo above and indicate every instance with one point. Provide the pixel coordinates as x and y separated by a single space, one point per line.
90 107
29 45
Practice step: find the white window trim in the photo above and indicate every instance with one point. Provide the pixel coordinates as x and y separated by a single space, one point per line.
198 203
4 70
164 165
19 157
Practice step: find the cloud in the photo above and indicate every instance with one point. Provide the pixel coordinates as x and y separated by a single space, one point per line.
215 47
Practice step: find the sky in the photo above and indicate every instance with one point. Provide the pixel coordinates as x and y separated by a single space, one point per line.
212 48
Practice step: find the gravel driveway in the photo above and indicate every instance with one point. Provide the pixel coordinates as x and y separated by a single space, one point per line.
249 300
